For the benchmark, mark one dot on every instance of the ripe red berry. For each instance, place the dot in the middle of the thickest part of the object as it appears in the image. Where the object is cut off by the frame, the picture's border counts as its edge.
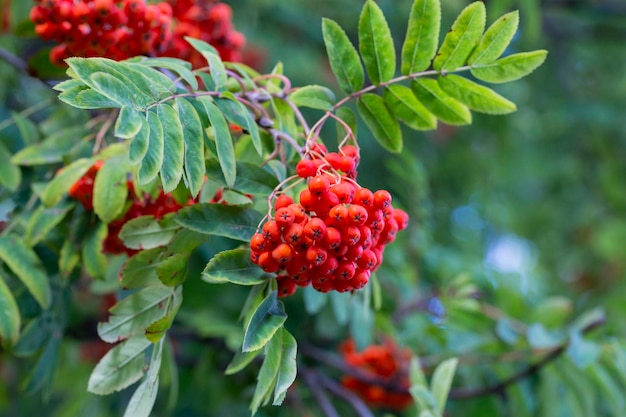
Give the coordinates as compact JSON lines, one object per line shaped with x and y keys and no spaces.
{"x":316,"y":256}
{"x":286,"y":286}
{"x":357,"y":214}
{"x":283,"y":201}
{"x":268,"y":263}
{"x":258,"y":243}
{"x":332,"y":238}
{"x":364,"y":197}
{"x":382,"y":199}
{"x":315,"y":229}
{"x":282,"y":253}
{"x":402,"y":218}
{"x":319,"y":185}
{"x":293,"y":233}
{"x":284,"y":217}
{"x":344,"y":191}
{"x":271,"y":232}
{"x":306,"y":168}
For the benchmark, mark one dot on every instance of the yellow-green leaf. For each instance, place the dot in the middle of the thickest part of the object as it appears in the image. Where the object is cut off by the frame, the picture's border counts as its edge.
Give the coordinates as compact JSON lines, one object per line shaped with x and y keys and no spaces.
{"x":408,"y":109}
{"x":376,"y":44}
{"x":510,"y":68}
{"x":444,"y":107}
{"x":343,"y":57}
{"x":380,"y":121}
{"x":110,"y":190}
{"x":495,"y":40}
{"x":9,"y":316}
{"x":422,"y":36}
{"x":153,"y":158}
{"x":475,"y":96}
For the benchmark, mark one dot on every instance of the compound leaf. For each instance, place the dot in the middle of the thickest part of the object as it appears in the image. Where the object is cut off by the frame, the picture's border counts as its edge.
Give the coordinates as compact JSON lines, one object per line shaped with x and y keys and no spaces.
{"x":194,"y":145}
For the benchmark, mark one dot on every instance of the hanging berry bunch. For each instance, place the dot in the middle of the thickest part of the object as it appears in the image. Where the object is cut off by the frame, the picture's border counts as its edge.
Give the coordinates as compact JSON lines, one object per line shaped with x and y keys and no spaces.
{"x":334,"y":237}
{"x":387,"y":363}
{"x":144,"y":205}
{"x":123,"y":29}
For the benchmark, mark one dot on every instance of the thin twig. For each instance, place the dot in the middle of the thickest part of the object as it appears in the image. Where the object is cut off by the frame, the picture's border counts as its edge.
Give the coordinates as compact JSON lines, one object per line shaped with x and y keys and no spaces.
{"x":312,"y":380}
{"x":354,"y":400}
{"x":13,"y":60}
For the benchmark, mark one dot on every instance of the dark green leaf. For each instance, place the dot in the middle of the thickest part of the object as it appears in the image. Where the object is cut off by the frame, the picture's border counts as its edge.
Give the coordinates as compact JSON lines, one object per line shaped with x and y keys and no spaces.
{"x":234,"y":266}
{"x":145,"y":232}
{"x":439,"y":103}
{"x":422,"y":36}
{"x":376,"y":44}
{"x":25,"y":264}
{"x":153,"y":159}
{"x":462,"y":38}
{"x":133,"y":314}
{"x":475,"y":96}
{"x":313,"y":96}
{"x":193,"y":135}
{"x":349,"y":118}
{"x":140,"y":270}
{"x":110,"y":190}
{"x":120,"y":367}
{"x":43,"y":221}
{"x":43,"y":371}
{"x":511,"y":68}
{"x":380,"y":121}
{"x":69,"y":258}
{"x":223,"y":141}
{"x":172,"y":271}
{"x":268,"y":317}
{"x":234,"y":222}
{"x":408,"y":109}
{"x":128,"y":123}
{"x":287,"y":368}
{"x":216,"y":66}
{"x":343,"y":57}
{"x":495,"y":40}
{"x":94,"y":260}
{"x":140,"y":143}
{"x":155,"y":331}
{"x":174,"y":147}
{"x":9,"y":316}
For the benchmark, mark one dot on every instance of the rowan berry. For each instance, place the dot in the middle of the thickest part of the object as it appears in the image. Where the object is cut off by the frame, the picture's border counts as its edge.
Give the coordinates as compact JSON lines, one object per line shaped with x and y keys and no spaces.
{"x":333,"y":159}
{"x":307,"y":200}
{"x":344,"y":192}
{"x":283,"y":201}
{"x":401,"y":218}
{"x":382,"y":199}
{"x":332,"y":238}
{"x":284,"y":217}
{"x":364,"y":197}
{"x":367,"y":260}
{"x":293,"y":233}
{"x":306,"y":168}
{"x":338,"y":216}
{"x":351,"y":235}
{"x":268,"y":263}
{"x":315,"y":229}
{"x":271,"y":232}
{"x":345,"y":270}
{"x":282,"y":253}
{"x":316,"y":256}
{"x":327,"y":268}
{"x":299,"y":212}
{"x":354,"y":253}
{"x":346,"y":164}
{"x":286,"y":286}
{"x":319,"y":185}
{"x":258,"y":243}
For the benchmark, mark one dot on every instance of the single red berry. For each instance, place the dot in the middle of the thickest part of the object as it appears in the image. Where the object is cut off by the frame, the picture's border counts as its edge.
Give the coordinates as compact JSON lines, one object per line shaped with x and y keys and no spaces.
{"x":345,"y":270}
{"x":367,"y":260}
{"x":283,"y":201}
{"x":346,"y":164}
{"x":351,"y":235}
{"x":333,"y":158}
{"x":284,"y":217}
{"x":268,"y":263}
{"x":354,"y":253}
{"x":319,"y":185}
{"x":357,"y":214}
{"x":338,"y":216}
{"x":316,"y":256}
{"x":307,"y":200}
{"x":299,"y":213}
{"x":332,"y":238}
{"x":402,"y":218}
{"x":364,"y":197}
{"x":271,"y":232}
{"x":258,"y":243}
{"x":286,"y":286}
{"x":344,"y":191}
{"x":282,"y":253}
{"x":382,"y":199}
{"x":315,"y":229}
{"x":327,"y":268}
{"x":293,"y":233}
{"x":306,"y":168}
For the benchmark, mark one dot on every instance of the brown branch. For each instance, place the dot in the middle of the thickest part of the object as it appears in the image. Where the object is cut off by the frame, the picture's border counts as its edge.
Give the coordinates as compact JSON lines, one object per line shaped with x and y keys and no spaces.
{"x":351,"y":398}
{"x":13,"y":60}
{"x":312,"y":380}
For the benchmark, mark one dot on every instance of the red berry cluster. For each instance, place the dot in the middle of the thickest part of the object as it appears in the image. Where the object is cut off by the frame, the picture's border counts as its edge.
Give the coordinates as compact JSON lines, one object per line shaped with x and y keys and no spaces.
{"x":335,"y":236}
{"x":123,"y":29}
{"x":158,"y":207}
{"x":388,"y":363}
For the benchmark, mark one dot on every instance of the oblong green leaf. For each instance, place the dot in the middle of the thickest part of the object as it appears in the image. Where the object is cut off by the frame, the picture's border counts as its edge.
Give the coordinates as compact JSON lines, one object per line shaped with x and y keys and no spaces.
{"x":240,"y":115}
{"x":439,"y":103}
{"x":25,"y":264}
{"x":128,"y":123}
{"x":233,"y":266}
{"x":422,"y":36}
{"x":153,"y":159}
{"x":174,"y":147}
{"x":268,"y":372}
{"x":120,"y":367}
{"x":233,"y":222}
{"x":223,"y":140}
{"x":10,"y":174}
{"x":182,"y":68}
{"x":94,"y":261}
{"x":110,"y":190}
{"x":380,"y":121}
{"x":268,"y":317}
{"x":10,"y":318}
{"x":408,"y":109}
{"x":376,"y":44}
{"x":139,"y":271}
{"x":510,"y":68}
{"x":475,"y":96}
{"x":287,"y":368}
{"x":216,"y":66}
{"x":495,"y":40}
{"x":193,"y":135}
{"x":462,"y":38}
{"x":139,"y":144}
{"x":240,"y":361}
{"x":313,"y":96}
{"x":343,"y":57}
{"x":52,"y":149}
{"x":251,"y":179}
{"x":442,"y":380}
{"x":43,"y":221}
{"x":145,"y":232}
{"x":156,"y":330}
{"x":112,"y":88}
{"x":63,"y":180}
{"x":133,"y":314}
{"x":172,"y":271}
{"x":89,"y":99}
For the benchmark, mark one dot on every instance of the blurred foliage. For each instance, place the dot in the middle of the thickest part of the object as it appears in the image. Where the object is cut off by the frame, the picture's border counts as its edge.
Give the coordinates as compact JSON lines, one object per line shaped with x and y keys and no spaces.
{"x":527,"y":212}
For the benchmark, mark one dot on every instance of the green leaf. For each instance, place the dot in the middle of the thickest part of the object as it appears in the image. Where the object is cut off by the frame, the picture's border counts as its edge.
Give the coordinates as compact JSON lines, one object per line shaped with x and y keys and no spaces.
{"x":69,"y":258}
{"x":174,"y":147}
{"x":128,"y":123}
{"x":240,"y":361}
{"x":110,"y":190}
{"x":28,"y":129}
{"x":9,"y":316}
{"x":172,"y":271}
{"x":155,"y":331}
{"x":416,"y":375}
{"x":217,"y":69}
{"x":233,"y":222}
{"x":52,"y":149}
{"x":313,"y":96}
{"x":408,"y":109}
{"x":10,"y":174}
{"x":380,"y":121}
{"x":145,"y":232}
{"x":94,"y":260}
{"x":133,"y":314}
{"x":112,"y":88}
{"x":268,"y":317}
{"x":43,"y":220}
{"x":63,"y":180}
{"x":462,"y":38}
{"x":239,"y":114}
{"x":142,"y":401}
{"x":422,"y":36}
{"x":223,"y":141}
{"x":140,"y":270}
{"x":287,"y":369}
{"x":182,"y":68}
{"x":439,"y":103}
{"x":193,"y":135}
{"x":251,"y":179}
{"x":442,"y":380}
{"x":376,"y":44}
{"x":511,"y":68}
{"x":43,"y":371}
{"x":25,"y":264}
{"x":87,"y":99}
{"x":120,"y":367}
{"x":495,"y":40}
{"x":268,"y":372}
{"x":343,"y":57}
{"x":153,"y":159}
{"x":139,"y":145}
{"x":424,"y":399}
{"x":233,"y":266}
{"x":475,"y":96}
